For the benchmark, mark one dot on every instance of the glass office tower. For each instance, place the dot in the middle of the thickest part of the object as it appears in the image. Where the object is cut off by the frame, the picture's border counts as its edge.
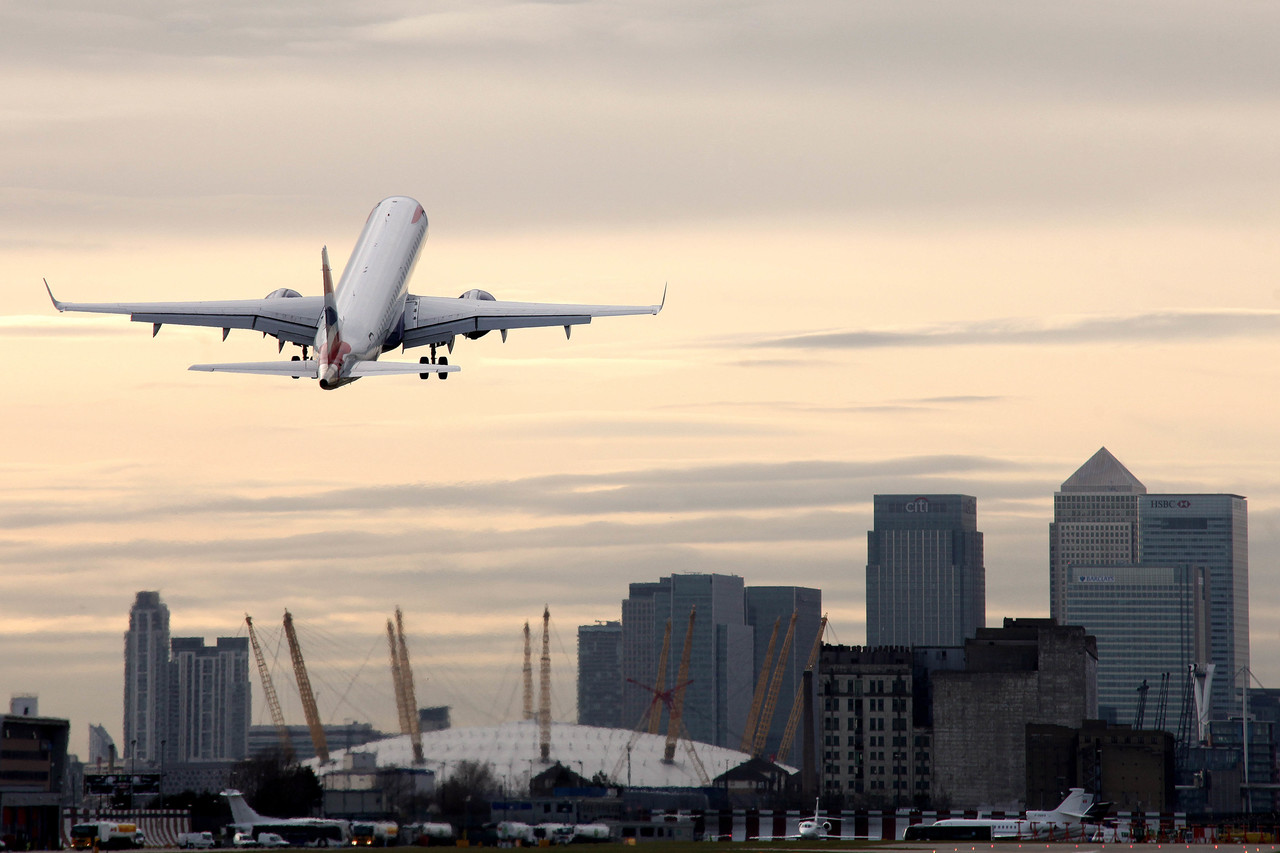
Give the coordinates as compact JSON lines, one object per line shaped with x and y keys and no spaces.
{"x":1151,"y":623}
{"x":926,"y":583}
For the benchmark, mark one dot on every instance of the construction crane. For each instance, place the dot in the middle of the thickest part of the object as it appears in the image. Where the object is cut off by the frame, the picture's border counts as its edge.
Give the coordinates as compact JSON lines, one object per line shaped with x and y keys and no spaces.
{"x":660,"y":681}
{"x":528,"y":674}
{"x":1140,"y":714}
{"x":410,"y":694}
{"x":402,"y":707}
{"x":304,"y":690}
{"x":544,"y":684}
{"x":771,"y":701}
{"x":269,"y":690}
{"x":797,"y":705}
{"x":665,"y":698}
{"x":1162,"y":700}
{"x":677,"y":704}
{"x":757,"y":698}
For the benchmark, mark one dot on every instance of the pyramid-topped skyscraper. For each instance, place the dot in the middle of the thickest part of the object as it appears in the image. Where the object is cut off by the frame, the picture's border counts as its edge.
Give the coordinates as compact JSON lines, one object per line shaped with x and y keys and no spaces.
{"x":1095,"y":522}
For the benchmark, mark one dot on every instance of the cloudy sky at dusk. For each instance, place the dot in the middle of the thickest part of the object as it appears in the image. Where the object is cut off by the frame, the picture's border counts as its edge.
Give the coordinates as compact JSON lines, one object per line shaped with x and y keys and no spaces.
{"x":910,"y":247}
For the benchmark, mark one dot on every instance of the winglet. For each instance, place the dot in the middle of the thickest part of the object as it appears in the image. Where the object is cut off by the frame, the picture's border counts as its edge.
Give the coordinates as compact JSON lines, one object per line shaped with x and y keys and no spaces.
{"x":664,"y":299}
{"x":56,"y":303}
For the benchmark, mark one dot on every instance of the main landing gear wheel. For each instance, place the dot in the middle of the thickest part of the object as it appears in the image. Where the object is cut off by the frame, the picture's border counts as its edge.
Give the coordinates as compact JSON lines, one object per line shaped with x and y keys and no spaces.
{"x":296,"y":358}
{"x":442,"y":361}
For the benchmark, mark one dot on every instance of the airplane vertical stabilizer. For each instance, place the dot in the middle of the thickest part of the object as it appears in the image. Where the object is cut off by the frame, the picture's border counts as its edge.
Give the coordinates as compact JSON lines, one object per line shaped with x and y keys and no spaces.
{"x":1076,"y":805}
{"x":329,"y":341}
{"x":241,"y":812}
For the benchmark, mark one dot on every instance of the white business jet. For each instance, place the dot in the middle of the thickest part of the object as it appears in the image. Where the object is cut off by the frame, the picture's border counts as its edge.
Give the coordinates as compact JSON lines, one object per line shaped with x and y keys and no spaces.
{"x":367,"y":314}
{"x":1055,"y":823}
{"x":814,"y":827}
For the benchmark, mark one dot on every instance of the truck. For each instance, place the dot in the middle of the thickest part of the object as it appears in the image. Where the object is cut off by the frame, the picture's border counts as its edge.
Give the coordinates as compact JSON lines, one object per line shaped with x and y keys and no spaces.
{"x":428,"y":834}
{"x":195,"y":840}
{"x":106,"y":835}
{"x":379,"y":833}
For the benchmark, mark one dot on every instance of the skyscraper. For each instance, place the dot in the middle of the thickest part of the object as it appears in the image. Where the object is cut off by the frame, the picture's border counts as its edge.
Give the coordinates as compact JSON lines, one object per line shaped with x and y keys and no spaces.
{"x":1209,"y":531}
{"x":190,"y":706}
{"x":1103,"y":517}
{"x":210,"y":699}
{"x":600,"y":675}
{"x":146,"y":678}
{"x":770,"y":605}
{"x":1150,"y":622}
{"x":641,"y":635}
{"x":1095,"y":523}
{"x":720,"y":682}
{"x":926,"y":582}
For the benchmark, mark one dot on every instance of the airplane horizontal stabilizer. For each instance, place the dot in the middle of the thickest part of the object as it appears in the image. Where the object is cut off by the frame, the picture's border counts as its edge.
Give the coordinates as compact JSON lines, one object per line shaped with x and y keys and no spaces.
{"x":403,"y":368}
{"x":305,"y":369}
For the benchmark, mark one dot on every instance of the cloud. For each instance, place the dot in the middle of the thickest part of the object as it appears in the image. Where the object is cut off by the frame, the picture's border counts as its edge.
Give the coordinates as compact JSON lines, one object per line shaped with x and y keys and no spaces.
{"x":1159,"y":327}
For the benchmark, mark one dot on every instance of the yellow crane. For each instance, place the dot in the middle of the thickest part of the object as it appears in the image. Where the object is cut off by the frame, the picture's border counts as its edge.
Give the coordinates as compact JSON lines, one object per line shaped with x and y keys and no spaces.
{"x":402,"y":707}
{"x":544,"y":684}
{"x":771,"y":701}
{"x":528,"y":674}
{"x":797,"y":705}
{"x":660,"y":681}
{"x":677,"y":701}
{"x":757,"y":698}
{"x":269,"y":690}
{"x":304,"y":690}
{"x":410,"y":693}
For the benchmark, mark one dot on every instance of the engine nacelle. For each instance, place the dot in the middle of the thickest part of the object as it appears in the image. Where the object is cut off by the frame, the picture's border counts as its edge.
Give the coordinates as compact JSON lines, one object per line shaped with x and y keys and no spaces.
{"x":477,"y":293}
{"x":284,"y":293}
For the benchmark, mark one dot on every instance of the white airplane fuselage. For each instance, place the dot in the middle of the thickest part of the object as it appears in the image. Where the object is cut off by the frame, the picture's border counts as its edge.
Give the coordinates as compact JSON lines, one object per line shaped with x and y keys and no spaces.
{"x":370,"y":297}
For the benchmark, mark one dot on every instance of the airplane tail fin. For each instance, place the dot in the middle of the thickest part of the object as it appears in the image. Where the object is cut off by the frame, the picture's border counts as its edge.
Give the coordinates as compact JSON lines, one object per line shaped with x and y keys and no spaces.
{"x":241,"y":811}
{"x":330,"y":301}
{"x":332,"y":348}
{"x":1076,"y":805}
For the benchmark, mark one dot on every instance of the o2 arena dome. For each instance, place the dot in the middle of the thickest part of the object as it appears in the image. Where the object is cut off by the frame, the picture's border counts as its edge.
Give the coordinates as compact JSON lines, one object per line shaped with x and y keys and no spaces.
{"x":514,"y":752}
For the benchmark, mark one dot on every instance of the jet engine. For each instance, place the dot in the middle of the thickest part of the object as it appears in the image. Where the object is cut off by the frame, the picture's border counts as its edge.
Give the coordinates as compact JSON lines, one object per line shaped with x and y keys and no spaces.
{"x":477,"y":293}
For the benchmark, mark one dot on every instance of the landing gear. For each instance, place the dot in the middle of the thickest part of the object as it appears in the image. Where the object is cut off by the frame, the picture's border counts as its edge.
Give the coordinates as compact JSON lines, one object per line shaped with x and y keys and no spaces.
{"x":443,"y":361}
{"x":296,"y":358}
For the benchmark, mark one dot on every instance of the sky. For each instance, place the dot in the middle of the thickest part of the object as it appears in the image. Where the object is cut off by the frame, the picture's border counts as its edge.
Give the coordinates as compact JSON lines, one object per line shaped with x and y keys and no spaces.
{"x":908,"y":246}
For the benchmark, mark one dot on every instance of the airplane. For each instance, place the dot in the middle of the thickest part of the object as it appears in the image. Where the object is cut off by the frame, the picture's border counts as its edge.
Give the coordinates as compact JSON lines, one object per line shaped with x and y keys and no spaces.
{"x":299,"y":831}
{"x":814,"y":827}
{"x":1056,"y":823}
{"x":367,"y":314}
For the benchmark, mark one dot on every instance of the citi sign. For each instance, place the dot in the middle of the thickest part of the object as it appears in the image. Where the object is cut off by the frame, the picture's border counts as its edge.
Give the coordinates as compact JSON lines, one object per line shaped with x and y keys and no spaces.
{"x":918,"y":505}
{"x":1180,"y":504}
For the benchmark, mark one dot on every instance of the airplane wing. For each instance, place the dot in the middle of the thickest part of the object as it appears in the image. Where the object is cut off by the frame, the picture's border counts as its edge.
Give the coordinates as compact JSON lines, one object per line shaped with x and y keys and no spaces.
{"x":288,"y":317}
{"x":438,"y":319}
{"x":307,"y":368}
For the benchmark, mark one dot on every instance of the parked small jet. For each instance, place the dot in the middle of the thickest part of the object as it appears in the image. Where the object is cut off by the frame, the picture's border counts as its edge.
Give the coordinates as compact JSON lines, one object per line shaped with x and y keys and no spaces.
{"x":367,"y":314}
{"x":296,"y":831}
{"x":1057,"y":823}
{"x":815,"y":827}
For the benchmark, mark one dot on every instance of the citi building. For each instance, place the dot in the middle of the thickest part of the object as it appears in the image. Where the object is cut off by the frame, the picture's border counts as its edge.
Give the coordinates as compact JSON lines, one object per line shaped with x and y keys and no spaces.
{"x":926,"y":582}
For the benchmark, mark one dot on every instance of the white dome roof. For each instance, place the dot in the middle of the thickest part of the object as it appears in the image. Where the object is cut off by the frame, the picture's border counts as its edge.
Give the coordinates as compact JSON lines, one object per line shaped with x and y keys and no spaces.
{"x":513,"y":751}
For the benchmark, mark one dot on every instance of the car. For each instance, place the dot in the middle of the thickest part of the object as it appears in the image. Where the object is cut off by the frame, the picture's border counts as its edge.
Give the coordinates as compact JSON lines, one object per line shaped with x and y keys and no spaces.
{"x":271,"y":839}
{"x":195,"y":840}
{"x":244,"y":839}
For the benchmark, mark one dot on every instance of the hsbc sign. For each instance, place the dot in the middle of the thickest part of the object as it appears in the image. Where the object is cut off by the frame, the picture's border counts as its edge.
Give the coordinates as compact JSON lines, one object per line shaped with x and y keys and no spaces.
{"x":1181,"y":503}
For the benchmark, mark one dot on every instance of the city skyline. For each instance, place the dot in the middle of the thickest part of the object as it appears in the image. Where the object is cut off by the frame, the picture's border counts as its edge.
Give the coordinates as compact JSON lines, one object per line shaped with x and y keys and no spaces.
{"x":910,"y":248}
